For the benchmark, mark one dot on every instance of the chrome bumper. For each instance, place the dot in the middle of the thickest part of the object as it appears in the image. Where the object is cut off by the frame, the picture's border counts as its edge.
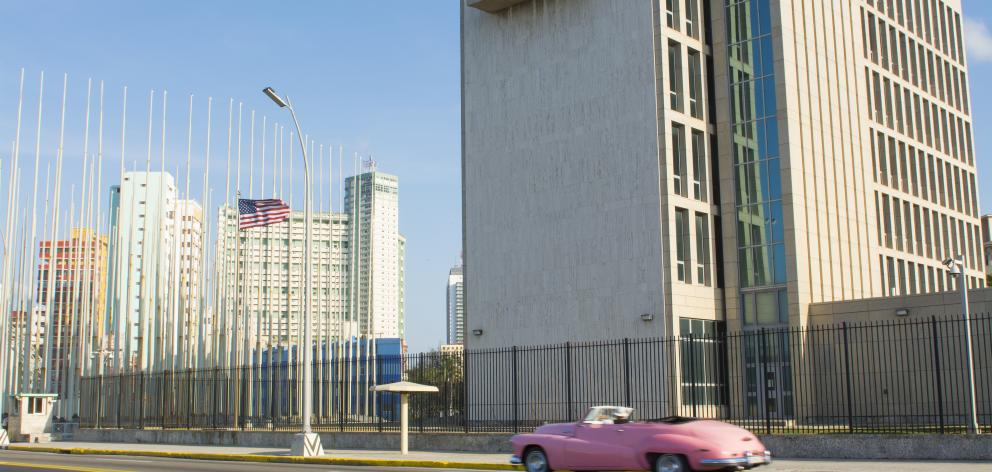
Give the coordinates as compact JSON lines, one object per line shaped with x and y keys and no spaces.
{"x":749,"y":460}
{"x":515,"y":460}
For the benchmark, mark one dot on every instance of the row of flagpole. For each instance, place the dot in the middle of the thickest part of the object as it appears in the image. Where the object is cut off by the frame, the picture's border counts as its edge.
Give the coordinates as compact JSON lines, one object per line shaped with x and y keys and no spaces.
{"x":165,"y":325}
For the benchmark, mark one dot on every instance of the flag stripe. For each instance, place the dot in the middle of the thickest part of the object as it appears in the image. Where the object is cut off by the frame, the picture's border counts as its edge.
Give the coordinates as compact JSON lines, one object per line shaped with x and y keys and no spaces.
{"x":255,"y":213}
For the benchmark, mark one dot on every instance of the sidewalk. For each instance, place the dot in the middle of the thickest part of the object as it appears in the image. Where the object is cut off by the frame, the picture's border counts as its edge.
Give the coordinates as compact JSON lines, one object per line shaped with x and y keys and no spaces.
{"x":448,"y":460}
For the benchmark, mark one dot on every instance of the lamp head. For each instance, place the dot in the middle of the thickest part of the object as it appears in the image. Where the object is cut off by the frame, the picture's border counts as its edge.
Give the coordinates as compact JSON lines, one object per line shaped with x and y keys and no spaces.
{"x":954,"y":265}
{"x":269,"y":92}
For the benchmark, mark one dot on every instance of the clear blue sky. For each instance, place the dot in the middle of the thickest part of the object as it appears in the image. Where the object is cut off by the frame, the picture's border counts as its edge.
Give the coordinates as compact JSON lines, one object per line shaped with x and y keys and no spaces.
{"x":379,"y":77}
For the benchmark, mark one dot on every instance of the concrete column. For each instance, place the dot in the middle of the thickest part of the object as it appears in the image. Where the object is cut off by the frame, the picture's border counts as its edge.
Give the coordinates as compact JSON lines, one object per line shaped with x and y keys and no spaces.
{"x":404,"y":433}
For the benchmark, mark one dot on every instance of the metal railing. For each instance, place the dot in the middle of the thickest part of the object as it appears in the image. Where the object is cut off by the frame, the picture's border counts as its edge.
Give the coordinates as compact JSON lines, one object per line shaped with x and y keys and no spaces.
{"x":886,"y":377}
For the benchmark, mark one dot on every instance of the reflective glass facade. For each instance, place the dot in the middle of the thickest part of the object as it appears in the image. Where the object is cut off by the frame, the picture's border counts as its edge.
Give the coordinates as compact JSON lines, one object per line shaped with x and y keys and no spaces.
{"x":757,"y":176}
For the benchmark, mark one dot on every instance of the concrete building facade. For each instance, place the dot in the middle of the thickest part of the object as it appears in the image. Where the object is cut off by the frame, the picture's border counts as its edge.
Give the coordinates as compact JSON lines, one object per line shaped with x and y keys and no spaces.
{"x":642,"y":168}
{"x":987,"y":247}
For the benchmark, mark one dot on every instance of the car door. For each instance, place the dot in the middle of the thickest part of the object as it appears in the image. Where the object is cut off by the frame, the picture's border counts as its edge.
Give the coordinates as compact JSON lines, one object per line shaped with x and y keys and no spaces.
{"x":594,"y":447}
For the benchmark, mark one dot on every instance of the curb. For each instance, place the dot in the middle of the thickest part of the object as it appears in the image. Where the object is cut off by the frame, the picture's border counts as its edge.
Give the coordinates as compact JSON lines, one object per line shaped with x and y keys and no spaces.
{"x":273,"y":459}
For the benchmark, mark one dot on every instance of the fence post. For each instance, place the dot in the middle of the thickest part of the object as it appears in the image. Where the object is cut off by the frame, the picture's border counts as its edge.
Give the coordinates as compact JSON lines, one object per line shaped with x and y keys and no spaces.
{"x":189,"y":398}
{"x":516,"y":418}
{"x":692,"y":374}
{"x":626,"y":371}
{"x":465,"y":389}
{"x":937,"y":377}
{"x":764,"y":381}
{"x":568,"y":380}
{"x":99,"y":401}
{"x":213,"y":408}
{"x":847,"y":370}
{"x":141,"y":402}
{"x":378,"y":404}
{"x":120,"y":397}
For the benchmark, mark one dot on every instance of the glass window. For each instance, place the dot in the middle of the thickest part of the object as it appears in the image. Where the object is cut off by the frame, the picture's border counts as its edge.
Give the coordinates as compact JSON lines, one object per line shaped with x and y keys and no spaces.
{"x":675,"y":75}
{"x":702,"y":249}
{"x":703,"y":367}
{"x":698,"y":165}
{"x":695,"y":85}
{"x":678,"y":160}
{"x":682,"y":245}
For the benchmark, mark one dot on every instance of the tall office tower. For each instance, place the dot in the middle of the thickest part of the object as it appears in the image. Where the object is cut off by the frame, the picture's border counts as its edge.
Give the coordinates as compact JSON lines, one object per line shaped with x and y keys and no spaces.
{"x":148,"y":263}
{"x":456,"y":306}
{"x":76,"y":306}
{"x":378,"y":251}
{"x":643,"y":168}
{"x":269,"y":292}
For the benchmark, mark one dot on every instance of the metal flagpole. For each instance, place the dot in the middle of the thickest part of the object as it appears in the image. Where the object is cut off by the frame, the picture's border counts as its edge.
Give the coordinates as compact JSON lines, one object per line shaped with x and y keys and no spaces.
{"x":114,"y":313}
{"x":204,"y":251}
{"x":5,"y":321}
{"x":28,"y":318}
{"x":55,"y":230}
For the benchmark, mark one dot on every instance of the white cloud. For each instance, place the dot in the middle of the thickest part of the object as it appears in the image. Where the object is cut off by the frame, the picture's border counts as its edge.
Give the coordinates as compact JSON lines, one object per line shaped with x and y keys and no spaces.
{"x":978,"y":40}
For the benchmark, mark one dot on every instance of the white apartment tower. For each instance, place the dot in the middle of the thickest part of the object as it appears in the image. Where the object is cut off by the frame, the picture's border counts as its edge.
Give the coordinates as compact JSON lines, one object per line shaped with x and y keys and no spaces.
{"x":378,"y":251}
{"x":265,"y":305}
{"x":455,"y":294}
{"x":154,"y":272}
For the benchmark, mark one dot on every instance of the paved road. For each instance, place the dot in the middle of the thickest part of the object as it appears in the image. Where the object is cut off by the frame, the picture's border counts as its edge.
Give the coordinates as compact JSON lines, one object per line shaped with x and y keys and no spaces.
{"x":19,"y":461}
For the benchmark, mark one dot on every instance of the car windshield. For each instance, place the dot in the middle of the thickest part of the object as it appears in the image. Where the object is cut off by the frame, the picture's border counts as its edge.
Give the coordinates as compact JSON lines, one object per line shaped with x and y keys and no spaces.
{"x":608,"y":414}
{"x":672,"y":420}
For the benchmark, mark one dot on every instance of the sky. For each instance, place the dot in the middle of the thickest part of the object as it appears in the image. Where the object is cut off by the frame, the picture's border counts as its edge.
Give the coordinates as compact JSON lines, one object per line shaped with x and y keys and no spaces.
{"x":978,"y":46}
{"x":378,"y":78}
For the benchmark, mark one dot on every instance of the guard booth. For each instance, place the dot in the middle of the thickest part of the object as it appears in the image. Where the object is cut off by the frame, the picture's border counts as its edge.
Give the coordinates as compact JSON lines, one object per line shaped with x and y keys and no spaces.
{"x":32,"y":419}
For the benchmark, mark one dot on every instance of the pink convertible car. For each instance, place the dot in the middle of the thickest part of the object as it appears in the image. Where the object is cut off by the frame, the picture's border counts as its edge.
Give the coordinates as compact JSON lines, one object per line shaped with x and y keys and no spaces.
{"x":607,"y":440}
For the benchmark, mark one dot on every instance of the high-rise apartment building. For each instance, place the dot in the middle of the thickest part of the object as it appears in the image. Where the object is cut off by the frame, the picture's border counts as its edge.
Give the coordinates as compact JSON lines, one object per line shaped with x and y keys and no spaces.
{"x":456,"y":306}
{"x":77,"y":268}
{"x":643,"y":168}
{"x":266,"y":302}
{"x":154,"y":264}
{"x":372,"y":203}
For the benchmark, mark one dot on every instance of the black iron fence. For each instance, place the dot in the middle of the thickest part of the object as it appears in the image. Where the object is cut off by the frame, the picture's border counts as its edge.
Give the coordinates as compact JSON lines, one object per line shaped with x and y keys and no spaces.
{"x":897,"y":377}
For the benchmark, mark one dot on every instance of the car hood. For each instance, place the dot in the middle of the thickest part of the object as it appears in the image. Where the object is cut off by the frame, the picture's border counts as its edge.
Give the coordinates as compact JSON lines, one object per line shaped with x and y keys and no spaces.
{"x":564,"y":429}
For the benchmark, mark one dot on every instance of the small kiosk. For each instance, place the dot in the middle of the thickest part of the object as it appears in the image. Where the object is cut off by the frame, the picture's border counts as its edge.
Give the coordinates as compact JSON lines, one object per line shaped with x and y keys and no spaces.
{"x":32,"y":420}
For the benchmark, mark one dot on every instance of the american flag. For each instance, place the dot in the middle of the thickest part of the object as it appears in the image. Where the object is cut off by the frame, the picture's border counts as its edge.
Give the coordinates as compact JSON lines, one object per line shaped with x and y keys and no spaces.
{"x":254,"y":213}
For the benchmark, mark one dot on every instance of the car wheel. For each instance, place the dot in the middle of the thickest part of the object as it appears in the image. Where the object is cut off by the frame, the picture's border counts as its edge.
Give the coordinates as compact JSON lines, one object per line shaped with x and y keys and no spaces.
{"x":536,"y":461}
{"x":670,"y":463}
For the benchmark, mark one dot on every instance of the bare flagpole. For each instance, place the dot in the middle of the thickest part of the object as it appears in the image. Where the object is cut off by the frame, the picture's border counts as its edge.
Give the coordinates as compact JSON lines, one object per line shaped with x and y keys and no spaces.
{"x":6,"y":379}
{"x":55,"y":231}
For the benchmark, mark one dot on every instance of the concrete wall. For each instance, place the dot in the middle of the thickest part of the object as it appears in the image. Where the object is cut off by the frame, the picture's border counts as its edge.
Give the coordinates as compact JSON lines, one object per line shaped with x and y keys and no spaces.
{"x":825,"y":446}
{"x":560,"y":173}
{"x":884,"y":308}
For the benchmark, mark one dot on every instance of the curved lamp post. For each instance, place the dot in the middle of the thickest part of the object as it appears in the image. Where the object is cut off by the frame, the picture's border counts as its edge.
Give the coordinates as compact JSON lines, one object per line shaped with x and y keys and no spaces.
{"x":307,"y":443}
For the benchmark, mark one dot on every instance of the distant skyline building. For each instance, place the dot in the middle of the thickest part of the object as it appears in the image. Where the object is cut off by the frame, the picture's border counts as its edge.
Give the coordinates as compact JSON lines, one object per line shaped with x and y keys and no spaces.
{"x":456,"y":306}
{"x":987,"y":246}
{"x":77,"y":305}
{"x":378,"y":251}
{"x":153,"y":288}
{"x":719,"y":165}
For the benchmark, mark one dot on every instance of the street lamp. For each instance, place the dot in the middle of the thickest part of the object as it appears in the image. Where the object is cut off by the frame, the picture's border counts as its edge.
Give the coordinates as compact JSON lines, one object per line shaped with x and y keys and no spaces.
{"x":956,"y":268}
{"x":307,"y":443}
